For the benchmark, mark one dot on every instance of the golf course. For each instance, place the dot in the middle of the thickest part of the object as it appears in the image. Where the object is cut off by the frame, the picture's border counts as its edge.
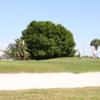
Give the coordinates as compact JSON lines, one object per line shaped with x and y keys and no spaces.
{"x":50,"y":50}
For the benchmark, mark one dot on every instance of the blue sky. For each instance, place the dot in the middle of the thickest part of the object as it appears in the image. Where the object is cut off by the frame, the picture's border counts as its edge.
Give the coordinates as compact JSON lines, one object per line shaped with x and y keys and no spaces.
{"x":81,"y":17}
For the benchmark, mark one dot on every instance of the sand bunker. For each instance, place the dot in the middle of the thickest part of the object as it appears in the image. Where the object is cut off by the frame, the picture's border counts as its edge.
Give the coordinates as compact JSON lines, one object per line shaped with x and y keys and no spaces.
{"x":48,"y":80}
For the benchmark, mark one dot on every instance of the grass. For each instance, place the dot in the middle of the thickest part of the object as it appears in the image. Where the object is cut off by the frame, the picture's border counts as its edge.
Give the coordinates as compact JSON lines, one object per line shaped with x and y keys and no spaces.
{"x":52,"y":94}
{"x":75,"y":65}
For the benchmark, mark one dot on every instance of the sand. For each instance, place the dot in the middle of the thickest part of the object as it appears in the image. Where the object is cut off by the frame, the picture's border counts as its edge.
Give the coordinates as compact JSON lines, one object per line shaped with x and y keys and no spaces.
{"x":18,"y":81}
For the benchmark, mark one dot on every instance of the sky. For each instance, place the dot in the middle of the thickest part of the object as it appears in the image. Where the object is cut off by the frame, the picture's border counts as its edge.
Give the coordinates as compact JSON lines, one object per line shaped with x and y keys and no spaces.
{"x":81,"y":17}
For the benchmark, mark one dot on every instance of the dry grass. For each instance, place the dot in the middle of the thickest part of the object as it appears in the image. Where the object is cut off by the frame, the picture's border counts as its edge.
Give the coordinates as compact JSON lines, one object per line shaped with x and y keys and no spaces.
{"x":52,"y":94}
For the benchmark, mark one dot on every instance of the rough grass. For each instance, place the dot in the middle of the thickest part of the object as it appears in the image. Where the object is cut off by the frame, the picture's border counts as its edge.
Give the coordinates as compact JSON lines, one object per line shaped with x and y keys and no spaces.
{"x":75,"y":65}
{"x":52,"y":94}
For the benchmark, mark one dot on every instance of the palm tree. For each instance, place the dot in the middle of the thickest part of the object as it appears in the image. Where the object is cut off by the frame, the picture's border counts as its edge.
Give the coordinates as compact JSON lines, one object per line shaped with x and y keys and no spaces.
{"x":95,"y":43}
{"x":18,"y":50}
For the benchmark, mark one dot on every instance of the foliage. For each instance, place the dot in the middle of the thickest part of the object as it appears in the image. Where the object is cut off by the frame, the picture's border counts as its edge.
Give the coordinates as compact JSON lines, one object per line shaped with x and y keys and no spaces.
{"x":95,"y":43}
{"x":18,"y":50}
{"x":48,"y":40}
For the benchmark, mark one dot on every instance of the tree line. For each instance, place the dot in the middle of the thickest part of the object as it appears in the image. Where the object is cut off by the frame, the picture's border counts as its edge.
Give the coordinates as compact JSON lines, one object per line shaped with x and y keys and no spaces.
{"x":44,"y":40}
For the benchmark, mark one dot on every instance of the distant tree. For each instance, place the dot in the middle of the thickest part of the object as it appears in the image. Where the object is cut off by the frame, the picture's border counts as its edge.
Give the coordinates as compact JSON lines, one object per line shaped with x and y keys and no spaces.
{"x":18,"y":50}
{"x":95,"y":43}
{"x":48,"y":40}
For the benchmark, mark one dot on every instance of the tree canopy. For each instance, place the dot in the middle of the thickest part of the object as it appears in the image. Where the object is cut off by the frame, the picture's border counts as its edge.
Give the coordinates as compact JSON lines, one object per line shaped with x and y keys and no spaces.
{"x":45,"y":40}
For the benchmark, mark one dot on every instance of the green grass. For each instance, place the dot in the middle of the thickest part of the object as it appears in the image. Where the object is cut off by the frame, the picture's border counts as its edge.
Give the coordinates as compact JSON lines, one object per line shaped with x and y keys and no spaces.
{"x":52,"y":94}
{"x":75,"y":65}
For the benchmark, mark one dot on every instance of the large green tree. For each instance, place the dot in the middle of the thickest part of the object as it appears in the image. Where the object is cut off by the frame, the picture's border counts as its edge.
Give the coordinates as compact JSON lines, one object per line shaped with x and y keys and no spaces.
{"x":95,"y":43}
{"x":18,"y":50}
{"x":48,"y":40}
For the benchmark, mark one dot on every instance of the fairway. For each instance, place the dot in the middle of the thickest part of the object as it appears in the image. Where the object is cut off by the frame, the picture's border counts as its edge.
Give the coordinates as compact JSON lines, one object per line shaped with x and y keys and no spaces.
{"x":52,"y":94}
{"x":74,"y":65}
